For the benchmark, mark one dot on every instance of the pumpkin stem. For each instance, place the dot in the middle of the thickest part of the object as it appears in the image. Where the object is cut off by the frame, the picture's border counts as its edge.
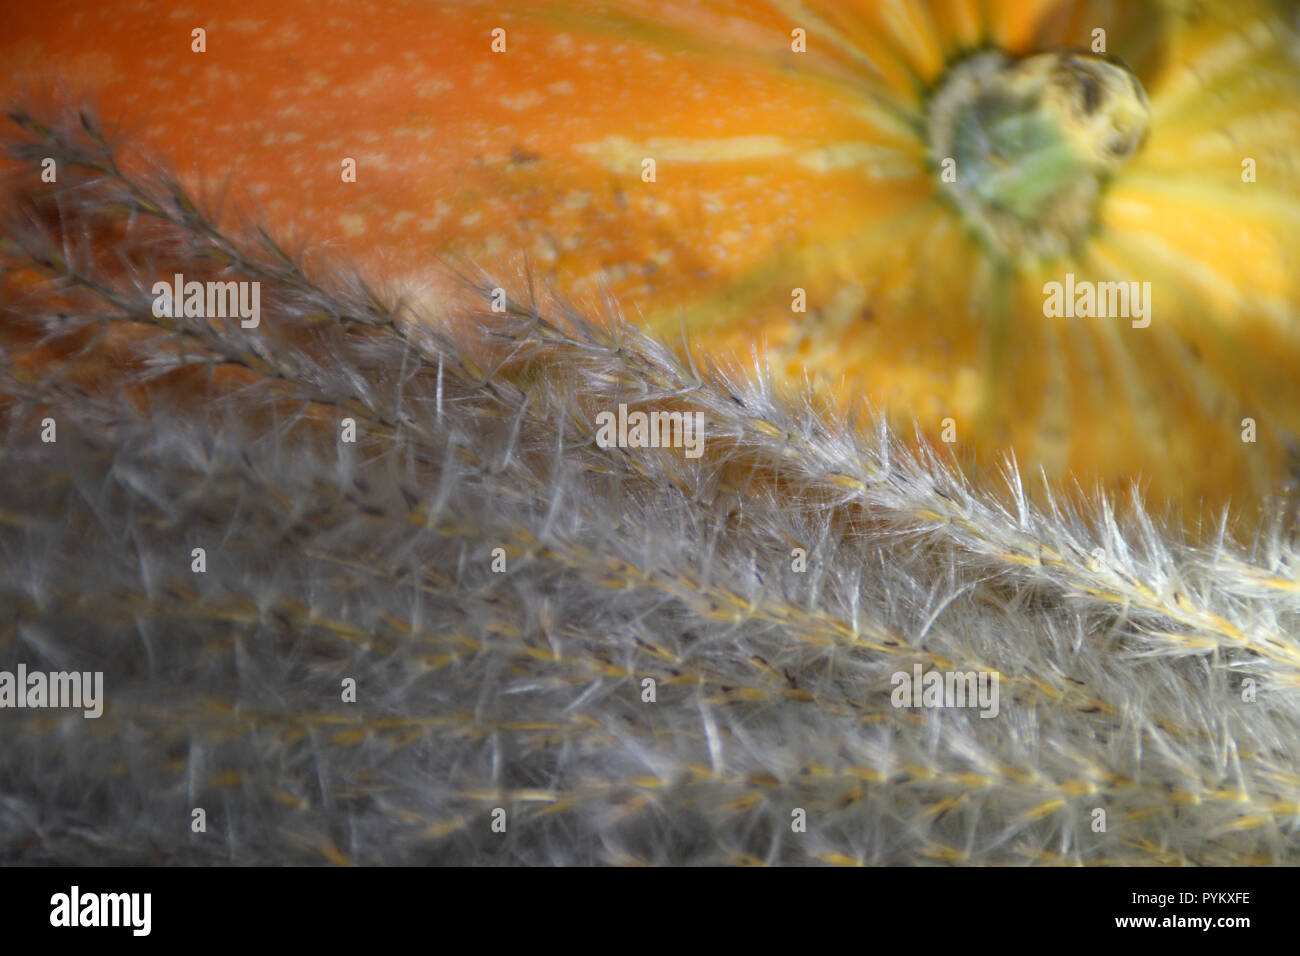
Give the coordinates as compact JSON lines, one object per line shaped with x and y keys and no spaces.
{"x":1026,"y":145}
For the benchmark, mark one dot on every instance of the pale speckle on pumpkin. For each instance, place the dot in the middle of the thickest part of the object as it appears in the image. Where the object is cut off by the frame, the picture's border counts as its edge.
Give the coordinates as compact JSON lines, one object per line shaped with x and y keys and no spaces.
{"x":352,"y":224}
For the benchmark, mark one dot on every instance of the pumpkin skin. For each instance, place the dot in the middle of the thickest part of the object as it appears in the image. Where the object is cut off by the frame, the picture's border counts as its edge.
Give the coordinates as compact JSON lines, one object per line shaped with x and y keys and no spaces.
{"x":775,"y":170}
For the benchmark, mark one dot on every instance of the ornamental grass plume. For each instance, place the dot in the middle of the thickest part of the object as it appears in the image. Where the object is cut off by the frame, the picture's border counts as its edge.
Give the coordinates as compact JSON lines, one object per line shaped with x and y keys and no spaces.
{"x":1151,"y":679}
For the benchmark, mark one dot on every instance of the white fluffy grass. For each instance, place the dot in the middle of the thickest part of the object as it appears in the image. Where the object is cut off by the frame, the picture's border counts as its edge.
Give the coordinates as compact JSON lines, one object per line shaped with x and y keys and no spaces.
{"x":1122,"y":648}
